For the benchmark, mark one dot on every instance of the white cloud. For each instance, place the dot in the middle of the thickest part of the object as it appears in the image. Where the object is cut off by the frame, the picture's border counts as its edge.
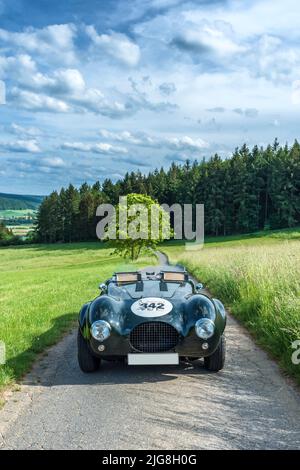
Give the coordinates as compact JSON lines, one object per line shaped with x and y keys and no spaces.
{"x":142,"y":139}
{"x":62,"y":82}
{"x":186,"y":143}
{"x":26,"y":146}
{"x":54,"y":42}
{"x":216,"y":37}
{"x":123,"y":136}
{"x":24,"y":131}
{"x":102,"y":148}
{"x":37,"y":102}
{"x":272,"y":58}
{"x":53,"y":162}
{"x":208,"y":55}
{"x":14,"y":67}
{"x":116,"y":45}
{"x":65,"y":90}
{"x":62,"y":91}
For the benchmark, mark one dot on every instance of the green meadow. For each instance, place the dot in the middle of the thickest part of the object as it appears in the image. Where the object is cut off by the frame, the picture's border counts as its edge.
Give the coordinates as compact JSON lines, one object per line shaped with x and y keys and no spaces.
{"x":42,"y":288}
{"x":258,"y":277}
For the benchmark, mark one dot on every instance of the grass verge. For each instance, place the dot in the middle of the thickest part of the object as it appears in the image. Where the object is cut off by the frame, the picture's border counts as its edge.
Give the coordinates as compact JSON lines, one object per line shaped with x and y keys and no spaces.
{"x":259,"y":279}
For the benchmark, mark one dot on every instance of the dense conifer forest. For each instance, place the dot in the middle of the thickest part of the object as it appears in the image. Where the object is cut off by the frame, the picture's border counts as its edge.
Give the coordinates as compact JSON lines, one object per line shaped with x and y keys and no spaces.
{"x":252,"y":190}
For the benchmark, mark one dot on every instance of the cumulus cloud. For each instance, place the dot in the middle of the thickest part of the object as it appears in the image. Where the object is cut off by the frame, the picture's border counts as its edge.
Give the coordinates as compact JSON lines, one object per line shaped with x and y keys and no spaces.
{"x":261,"y":49}
{"x":65,"y":90}
{"x":234,"y":66}
{"x":62,"y":91}
{"x":273,"y":58}
{"x":115,"y":45}
{"x":142,"y":139}
{"x":14,"y":67}
{"x":208,"y":38}
{"x":54,"y":42}
{"x":24,"y":146}
{"x":186,"y":143}
{"x":102,"y":148}
{"x":37,"y":102}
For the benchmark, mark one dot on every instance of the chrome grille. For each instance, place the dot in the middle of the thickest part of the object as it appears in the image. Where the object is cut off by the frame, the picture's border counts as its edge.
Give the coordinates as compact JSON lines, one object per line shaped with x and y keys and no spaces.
{"x":154,"y":337}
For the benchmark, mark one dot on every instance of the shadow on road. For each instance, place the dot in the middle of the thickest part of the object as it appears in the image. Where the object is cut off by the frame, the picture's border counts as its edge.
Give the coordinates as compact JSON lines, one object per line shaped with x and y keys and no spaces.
{"x":59,"y":366}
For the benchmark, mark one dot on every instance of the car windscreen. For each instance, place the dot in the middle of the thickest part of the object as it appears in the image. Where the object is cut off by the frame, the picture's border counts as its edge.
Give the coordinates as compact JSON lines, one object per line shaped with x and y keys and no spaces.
{"x":149,"y":288}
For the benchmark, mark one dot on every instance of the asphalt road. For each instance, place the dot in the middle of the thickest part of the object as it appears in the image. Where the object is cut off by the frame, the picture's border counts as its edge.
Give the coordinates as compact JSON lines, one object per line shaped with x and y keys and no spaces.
{"x":248,"y":405}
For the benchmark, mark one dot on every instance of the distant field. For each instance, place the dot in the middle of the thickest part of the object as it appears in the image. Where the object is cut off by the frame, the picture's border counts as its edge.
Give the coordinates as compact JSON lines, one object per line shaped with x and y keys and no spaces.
{"x":17,"y":220}
{"x":20,"y":230}
{"x":42,"y":288}
{"x":10,"y":214}
{"x":258,"y":277}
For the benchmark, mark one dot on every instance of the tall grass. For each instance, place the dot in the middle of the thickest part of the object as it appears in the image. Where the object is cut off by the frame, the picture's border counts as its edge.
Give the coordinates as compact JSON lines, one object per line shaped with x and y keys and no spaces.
{"x":261,"y":285}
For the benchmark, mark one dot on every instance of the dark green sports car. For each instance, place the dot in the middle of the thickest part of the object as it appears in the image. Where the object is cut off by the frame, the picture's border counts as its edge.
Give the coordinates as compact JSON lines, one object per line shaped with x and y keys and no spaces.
{"x":152,"y":316}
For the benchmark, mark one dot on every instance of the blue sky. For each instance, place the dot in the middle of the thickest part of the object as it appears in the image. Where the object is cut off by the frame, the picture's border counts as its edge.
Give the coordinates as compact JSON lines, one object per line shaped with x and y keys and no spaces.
{"x":98,"y":88}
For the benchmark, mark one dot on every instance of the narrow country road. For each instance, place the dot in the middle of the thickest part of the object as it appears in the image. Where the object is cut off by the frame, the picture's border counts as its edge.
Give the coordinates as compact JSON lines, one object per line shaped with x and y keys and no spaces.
{"x":248,"y":405}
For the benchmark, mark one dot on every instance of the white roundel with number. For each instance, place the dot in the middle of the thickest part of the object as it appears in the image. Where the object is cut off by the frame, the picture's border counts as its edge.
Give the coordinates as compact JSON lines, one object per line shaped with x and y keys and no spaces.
{"x":151,"y":307}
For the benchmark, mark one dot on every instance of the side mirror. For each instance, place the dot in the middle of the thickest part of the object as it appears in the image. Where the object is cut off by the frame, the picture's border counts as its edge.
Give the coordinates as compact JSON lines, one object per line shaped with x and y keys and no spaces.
{"x":103,"y":287}
{"x":199,"y":287}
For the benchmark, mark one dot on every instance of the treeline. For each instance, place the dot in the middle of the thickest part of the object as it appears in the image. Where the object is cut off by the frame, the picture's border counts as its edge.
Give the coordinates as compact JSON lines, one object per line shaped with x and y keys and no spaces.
{"x":7,"y":237}
{"x":253,"y":190}
{"x":19,"y":202}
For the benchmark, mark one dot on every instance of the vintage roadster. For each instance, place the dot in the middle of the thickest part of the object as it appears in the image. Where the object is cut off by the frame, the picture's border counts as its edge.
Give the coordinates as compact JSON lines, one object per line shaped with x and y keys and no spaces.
{"x":153,"y":316}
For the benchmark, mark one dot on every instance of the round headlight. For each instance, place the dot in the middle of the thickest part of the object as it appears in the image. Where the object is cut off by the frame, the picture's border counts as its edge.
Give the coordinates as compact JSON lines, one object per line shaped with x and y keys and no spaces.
{"x":100,"y":330}
{"x":205,"y":328}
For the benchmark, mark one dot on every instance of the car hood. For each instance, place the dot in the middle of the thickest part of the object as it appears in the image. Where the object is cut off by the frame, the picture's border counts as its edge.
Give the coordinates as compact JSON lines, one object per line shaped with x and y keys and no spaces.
{"x":125,"y":314}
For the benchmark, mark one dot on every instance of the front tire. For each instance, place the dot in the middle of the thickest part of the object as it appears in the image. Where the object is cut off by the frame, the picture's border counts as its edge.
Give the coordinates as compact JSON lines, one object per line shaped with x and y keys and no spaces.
{"x":216,"y":361}
{"x":87,"y":362}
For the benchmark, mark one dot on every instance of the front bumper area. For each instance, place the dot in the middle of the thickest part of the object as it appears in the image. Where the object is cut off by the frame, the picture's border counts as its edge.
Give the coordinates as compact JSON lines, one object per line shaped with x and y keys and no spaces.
{"x":120,"y":345}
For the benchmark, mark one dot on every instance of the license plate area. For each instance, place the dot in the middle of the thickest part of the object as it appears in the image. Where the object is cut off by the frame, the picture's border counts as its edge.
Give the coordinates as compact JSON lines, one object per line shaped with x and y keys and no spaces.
{"x":153,"y":359}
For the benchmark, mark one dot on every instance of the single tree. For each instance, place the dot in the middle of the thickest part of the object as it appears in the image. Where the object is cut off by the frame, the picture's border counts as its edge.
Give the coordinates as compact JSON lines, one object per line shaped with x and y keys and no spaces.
{"x":141,"y":224}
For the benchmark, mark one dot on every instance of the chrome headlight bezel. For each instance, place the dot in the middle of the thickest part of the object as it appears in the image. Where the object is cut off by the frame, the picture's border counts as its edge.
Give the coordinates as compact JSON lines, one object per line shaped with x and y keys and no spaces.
{"x":100,"y":330}
{"x":205,"y":328}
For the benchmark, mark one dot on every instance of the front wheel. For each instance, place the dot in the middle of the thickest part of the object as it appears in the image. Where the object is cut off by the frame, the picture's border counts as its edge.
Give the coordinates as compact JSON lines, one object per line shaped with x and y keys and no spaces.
{"x":87,"y":362}
{"x":216,"y":361}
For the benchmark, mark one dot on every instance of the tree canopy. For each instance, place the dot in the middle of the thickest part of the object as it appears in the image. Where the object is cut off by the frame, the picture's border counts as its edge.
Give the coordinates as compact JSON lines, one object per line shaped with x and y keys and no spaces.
{"x":143,"y":216}
{"x":252,"y":190}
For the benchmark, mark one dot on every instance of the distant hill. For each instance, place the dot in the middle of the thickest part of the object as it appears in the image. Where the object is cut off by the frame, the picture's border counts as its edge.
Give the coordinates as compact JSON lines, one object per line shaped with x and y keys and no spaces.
{"x":19,"y":202}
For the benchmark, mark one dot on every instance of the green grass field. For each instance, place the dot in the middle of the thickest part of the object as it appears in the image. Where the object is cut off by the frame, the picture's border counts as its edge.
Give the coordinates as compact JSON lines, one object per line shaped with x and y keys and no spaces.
{"x":42,"y":288}
{"x":258,"y":277}
{"x":11,"y":214}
